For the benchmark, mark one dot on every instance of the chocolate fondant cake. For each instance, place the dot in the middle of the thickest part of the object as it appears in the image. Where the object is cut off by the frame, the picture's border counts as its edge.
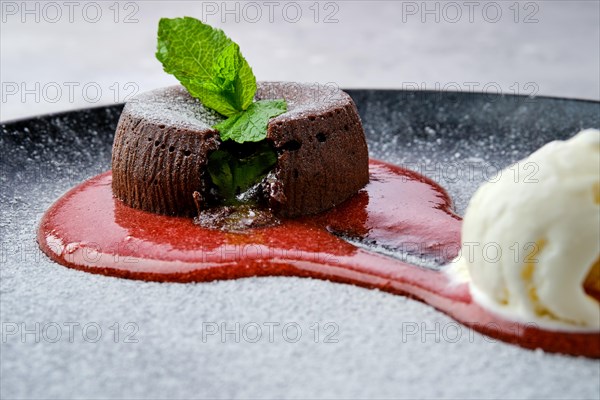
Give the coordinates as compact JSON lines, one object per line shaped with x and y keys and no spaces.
{"x":164,"y":138}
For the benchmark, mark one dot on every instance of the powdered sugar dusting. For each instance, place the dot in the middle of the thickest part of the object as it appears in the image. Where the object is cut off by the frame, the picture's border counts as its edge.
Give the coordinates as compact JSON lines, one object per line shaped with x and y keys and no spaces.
{"x":303,"y":99}
{"x":173,"y":106}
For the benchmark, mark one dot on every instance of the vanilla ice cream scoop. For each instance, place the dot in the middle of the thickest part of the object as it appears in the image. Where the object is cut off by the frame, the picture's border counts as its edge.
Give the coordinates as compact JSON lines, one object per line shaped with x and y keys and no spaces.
{"x":531,"y":237}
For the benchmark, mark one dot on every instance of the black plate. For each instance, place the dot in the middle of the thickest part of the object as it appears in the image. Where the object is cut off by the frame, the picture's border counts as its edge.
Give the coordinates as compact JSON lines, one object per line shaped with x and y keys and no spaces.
{"x":457,"y":139}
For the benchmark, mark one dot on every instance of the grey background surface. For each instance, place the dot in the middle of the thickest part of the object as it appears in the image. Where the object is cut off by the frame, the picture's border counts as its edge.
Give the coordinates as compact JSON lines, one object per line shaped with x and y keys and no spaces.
{"x":77,"y":56}
{"x":375,"y":356}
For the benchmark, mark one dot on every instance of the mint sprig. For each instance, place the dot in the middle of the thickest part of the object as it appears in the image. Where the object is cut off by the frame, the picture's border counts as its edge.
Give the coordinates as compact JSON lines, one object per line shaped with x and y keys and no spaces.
{"x":207,"y":63}
{"x":211,"y":67}
{"x":251,"y":125}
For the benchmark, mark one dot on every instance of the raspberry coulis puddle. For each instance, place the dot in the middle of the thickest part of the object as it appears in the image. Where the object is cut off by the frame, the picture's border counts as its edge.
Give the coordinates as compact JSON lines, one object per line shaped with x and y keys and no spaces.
{"x":399,"y":218}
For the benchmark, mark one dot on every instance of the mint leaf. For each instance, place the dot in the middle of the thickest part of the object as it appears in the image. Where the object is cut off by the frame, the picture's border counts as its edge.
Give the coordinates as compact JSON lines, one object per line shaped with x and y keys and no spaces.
{"x":234,"y":169}
{"x":219,"y":169}
{"x":233,"y":74}
{"x":251,"y":125}
{"x":207,"y":63}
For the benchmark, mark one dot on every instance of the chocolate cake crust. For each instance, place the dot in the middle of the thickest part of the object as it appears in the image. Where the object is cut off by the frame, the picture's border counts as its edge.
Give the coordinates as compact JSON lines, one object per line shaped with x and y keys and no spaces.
{"x":164,"y":137}
{"x":160,"y":149}
{"x":323,"y":157}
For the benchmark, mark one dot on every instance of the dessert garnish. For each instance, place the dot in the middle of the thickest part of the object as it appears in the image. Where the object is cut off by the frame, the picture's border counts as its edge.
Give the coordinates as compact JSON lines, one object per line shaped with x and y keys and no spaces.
{"x":233,"y":152}
{"x":212,"y":69}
